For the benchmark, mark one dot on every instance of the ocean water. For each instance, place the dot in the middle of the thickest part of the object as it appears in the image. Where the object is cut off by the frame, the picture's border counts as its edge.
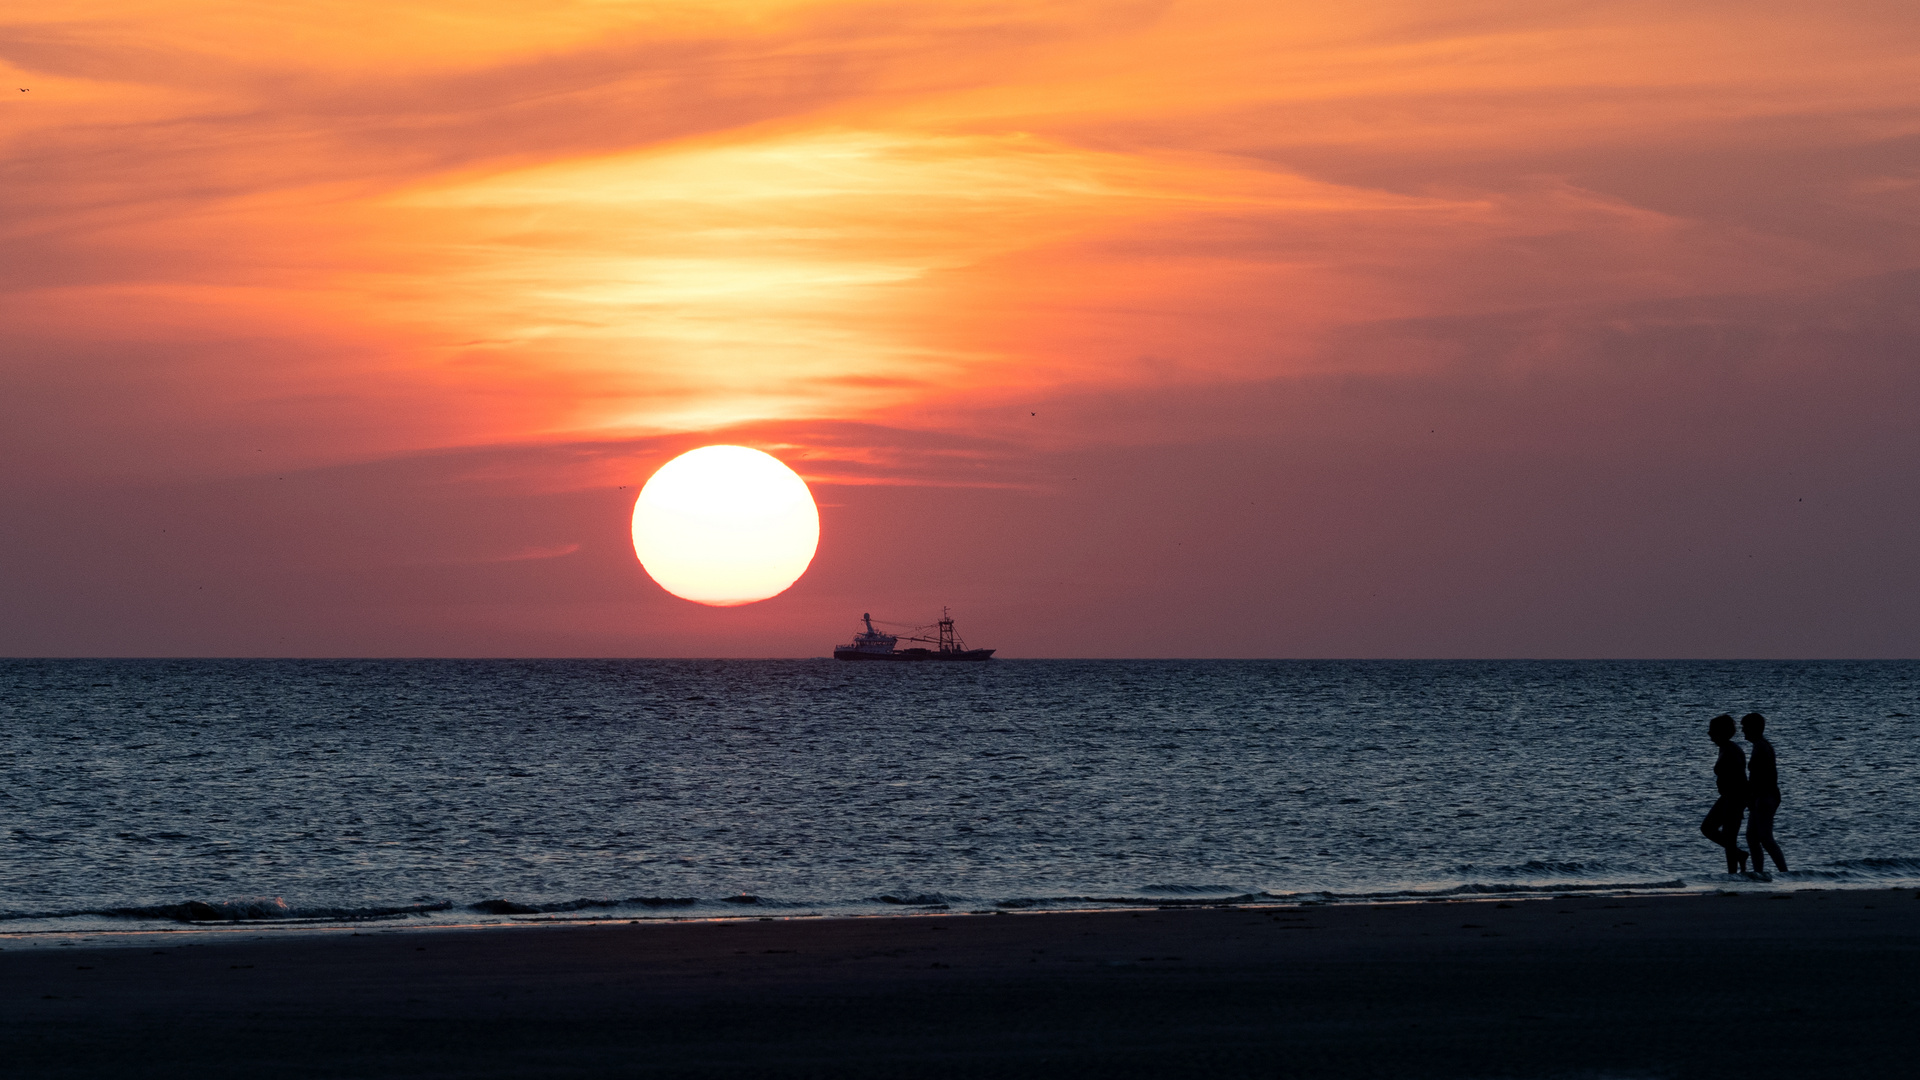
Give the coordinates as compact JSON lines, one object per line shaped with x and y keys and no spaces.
{"x":139,"y":794}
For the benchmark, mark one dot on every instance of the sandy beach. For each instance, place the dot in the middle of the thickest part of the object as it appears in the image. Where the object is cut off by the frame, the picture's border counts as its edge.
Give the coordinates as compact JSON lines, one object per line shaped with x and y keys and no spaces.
{"x":1749,"y":985}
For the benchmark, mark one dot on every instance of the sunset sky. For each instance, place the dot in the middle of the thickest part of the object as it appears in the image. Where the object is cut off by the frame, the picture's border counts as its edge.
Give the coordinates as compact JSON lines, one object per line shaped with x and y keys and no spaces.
{"x":1121,"y":328}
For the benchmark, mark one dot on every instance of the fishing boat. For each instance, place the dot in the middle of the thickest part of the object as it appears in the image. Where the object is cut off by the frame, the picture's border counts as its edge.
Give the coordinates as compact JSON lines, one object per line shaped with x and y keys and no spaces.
{"x":871,"y":644}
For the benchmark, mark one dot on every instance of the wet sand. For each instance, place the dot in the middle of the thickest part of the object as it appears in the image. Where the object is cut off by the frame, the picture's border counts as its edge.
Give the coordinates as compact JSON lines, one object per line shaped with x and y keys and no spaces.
{"x":1747,"y":985}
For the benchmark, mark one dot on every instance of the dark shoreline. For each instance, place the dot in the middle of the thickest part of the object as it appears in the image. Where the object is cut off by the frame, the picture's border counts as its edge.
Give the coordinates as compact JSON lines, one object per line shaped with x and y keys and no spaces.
{"x":1734,"y":985}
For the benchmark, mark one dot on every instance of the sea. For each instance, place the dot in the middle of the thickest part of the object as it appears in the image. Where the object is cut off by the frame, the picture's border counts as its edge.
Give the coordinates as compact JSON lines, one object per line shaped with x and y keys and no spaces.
{"x":188,"y":795}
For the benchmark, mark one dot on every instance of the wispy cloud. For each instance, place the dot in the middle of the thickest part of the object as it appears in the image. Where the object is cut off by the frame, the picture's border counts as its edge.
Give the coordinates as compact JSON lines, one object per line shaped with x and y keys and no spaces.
{"x":667,"y":216}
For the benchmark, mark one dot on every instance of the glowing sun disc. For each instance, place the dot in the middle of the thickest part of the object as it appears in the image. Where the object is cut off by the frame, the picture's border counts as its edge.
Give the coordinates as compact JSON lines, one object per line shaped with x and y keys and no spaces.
{"x":725,"y":525}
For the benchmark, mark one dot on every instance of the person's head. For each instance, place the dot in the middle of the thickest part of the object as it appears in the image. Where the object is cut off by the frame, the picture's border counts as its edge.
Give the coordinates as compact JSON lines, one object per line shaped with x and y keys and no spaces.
{"x":1720,"y":728}
{"x":1753,"y":724}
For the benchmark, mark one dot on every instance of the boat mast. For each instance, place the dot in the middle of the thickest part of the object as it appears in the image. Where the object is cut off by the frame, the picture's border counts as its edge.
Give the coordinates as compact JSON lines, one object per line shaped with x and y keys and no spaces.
{"x":946,"y":631}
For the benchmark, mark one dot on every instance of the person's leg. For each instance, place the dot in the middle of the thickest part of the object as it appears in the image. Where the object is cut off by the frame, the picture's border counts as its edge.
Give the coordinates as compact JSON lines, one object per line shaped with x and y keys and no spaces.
{"x":1736,"y":859}
{"x":1722,"y":826}
{"x":1760,"y":834}
{"x":1714,"y":825}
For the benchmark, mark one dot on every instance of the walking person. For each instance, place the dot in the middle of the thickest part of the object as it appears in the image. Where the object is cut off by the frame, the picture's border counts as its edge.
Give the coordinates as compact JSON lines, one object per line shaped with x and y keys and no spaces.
{"x":1763,"y":794}
{"x":1722,"y":825}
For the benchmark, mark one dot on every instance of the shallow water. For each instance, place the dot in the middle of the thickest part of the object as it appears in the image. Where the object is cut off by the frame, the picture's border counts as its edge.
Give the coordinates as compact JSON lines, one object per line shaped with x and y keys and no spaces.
{"x":142,"y":793}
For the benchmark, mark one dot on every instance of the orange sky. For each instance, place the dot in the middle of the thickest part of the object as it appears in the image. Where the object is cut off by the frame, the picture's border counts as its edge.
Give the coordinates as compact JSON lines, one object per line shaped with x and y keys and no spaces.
{"x":1117,"y":326}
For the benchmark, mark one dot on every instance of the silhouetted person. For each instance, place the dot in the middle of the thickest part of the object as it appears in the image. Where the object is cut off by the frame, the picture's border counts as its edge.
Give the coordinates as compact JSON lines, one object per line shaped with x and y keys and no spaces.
{"x":1763,"y":794}
{"x":1730,"y":776}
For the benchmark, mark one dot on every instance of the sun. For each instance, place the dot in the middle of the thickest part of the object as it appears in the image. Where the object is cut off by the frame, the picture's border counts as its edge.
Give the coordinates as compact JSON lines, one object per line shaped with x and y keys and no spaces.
{"x":725,"y":525}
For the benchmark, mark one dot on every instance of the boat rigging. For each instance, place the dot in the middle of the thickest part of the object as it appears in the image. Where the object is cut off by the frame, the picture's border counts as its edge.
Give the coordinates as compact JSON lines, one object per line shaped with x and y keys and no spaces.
{"x":871,"y":644}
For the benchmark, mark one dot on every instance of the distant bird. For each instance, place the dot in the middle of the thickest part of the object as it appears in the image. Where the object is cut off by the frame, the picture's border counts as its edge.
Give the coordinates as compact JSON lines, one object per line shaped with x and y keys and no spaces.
{"x":23,"y":89}
{"x":1033,"y":414}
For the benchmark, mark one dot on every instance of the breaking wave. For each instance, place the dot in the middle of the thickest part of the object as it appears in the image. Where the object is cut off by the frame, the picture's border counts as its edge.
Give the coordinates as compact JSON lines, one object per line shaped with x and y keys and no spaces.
{"x":1865,"y":871}
{"x":1541,"y":868}
{"x":253,"y":909}
{"x":1534,"y":877}
{"x":509,"y":907}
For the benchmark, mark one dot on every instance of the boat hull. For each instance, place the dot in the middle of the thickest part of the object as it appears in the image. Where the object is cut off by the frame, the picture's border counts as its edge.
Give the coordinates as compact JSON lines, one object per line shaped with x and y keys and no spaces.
{"x":914,"y":655}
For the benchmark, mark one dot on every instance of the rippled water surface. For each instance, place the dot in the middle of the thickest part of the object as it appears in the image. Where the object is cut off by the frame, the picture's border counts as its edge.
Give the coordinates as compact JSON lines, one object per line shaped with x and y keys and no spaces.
{"x":153,"y":790}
